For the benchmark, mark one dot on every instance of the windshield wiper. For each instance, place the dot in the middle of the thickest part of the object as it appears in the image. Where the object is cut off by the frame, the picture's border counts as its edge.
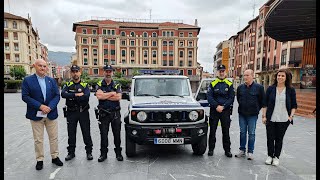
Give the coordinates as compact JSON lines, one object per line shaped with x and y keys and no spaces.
{"x":171,"y":95}
{"x":148,"y":95}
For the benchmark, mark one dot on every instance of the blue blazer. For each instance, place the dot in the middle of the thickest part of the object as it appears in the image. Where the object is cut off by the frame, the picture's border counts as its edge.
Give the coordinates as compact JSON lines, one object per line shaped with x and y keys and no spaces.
{"x":32,"y":95}
{"x":291,"y":101}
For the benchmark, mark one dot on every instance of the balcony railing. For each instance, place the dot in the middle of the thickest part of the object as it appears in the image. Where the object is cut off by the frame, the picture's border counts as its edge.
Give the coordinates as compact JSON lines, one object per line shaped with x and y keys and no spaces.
{"x":265,"y":68}
{"x":258,"y":67}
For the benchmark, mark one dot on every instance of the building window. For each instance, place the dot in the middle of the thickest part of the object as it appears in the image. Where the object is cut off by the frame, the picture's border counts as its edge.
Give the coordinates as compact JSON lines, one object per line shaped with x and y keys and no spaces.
{"x":168,"y":33}
{"x":190,"y":63}
{"x":6,"y":46}
{"x":94,"y":41}
{"x":16,"y":46}
{"x":113,"y":52}
{"x":105,"y":61}
{"x":85,"y":61}
{"x":180,"y":53}
{"x":123,"y":33}
{"x":269,"y":45}
{"x":105,"y":51}
{"x":261,"y":16}
{"x":15,"y":35}
{"x":95,"y":71}
{"x":164,"y":53}
{"x":259,"y":47}
{"x":104,"y":31}
{"x":163,"y":33}
{"x":283,"y":57}
{"x":5,"y":24}
{"x":164,"y":63}
{"x":132,"y":42}
{"x":145,"y":43}
{"x":181,"y":34}
{"x":165,"y":43}
{"x":112,"y":41}
{"x":154,"y":61}
{"x":154,"y":43}
{"x":180,"y":63}
{"x":181,"y":72}
{"x":85,"y":52}
{"x":154,"y":53}
{"x":275,"y":44}
{"x":17,"y":57}
{"x":190,"y":54}
{"x":95,"y":52}
{"x":190,"y":34}
{"x":172,"y":33}
{"x":132,"y":34}
{"x":132,"y":53}
{"x":108,"y":32}
{"x":170,"y":62}
{"x":189,"y":72}
{"x":105,"y":41}
{"x":113,"y":32}
{"x":5,"y":35}
{"x":132,"y":61}
{"x":295,"y":55}
{"x":145,"y":61}
{"x":145,"y":34}
{"x":145,"y":53}
{"x":170,"y":43}
{"x":8,"y":57}
{"x":260,"y":32}
{"x":94,"y":31}
{"x":95,"y":61}
{"x":181,"y":43}
{"x":190,"y":43}
{"x":123,"y":61}
{"x":170,"y":53}
{"x":154,"y":34}
{"x":14,"y":24}
{"x":84,"y":31}
{"x":84,"y":41}
{"x":123,"y":53}
{"x":113,"y":62}
{"x":123,"y":42}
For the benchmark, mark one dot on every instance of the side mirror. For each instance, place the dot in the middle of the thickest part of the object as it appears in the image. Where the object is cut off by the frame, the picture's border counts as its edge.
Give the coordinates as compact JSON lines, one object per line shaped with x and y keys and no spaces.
{"x":125,"y":95}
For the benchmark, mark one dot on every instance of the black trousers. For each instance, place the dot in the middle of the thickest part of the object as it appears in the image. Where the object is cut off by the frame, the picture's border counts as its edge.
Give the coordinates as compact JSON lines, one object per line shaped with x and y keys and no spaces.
{"x":225,"y":121}
{"x":104,"y":121}
{"x":275,"y":134}
{"x":72,"y":122}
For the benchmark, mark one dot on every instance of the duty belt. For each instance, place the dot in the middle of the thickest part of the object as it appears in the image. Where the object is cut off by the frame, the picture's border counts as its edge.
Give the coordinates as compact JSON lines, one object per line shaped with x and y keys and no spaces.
{"x":78,"y":108}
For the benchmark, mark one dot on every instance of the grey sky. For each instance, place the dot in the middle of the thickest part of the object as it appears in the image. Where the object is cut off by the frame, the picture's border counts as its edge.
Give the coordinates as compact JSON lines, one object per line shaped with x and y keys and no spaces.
{"x":218,"y":19}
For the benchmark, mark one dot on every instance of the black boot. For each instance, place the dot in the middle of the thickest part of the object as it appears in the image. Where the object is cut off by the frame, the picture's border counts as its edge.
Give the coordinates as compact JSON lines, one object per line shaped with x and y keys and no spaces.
{"x":228,"y":154}
{"x":210,"y":153}
{"x":57,"y":161}
{"x":102,"y":157}
{"x":70,"y":156}
{"x":118,"y":154}
{"x":89,"y":156}
{"x":39,"y":165}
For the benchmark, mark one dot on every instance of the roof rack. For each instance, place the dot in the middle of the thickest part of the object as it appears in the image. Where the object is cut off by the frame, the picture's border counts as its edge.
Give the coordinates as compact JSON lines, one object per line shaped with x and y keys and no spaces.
{"x":159,"y":71}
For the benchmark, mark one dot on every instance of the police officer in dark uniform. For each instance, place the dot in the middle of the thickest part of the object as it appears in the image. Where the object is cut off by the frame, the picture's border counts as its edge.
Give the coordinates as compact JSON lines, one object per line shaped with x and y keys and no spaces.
{"x":77,"y":95}
{"x":109,"y":96}
{"x":220,"y":97}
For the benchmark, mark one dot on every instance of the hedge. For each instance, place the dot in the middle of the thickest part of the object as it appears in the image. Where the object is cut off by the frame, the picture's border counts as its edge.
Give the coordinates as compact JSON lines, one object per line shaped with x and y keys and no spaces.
{"x":13,"y":84}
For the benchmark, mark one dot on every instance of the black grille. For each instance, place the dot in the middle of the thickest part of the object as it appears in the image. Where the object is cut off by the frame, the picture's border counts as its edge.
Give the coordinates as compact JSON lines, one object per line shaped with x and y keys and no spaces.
{"x":167,"y":117}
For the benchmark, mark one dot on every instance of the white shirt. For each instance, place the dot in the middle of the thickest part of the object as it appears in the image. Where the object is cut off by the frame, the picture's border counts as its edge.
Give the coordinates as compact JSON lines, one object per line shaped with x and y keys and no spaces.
{"x":280,"y":113}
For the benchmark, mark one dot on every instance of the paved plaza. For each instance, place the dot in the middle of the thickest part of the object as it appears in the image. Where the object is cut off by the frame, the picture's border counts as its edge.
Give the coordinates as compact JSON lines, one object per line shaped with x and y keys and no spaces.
{"x":297,"y":161}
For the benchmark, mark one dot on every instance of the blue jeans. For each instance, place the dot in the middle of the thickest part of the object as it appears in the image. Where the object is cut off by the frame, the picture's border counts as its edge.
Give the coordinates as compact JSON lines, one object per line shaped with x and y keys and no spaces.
{"x":247,"y":123}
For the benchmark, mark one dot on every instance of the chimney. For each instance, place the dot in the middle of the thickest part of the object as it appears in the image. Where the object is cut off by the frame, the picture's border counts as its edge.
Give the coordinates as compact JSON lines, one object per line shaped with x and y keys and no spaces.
{"x":196,"y":22}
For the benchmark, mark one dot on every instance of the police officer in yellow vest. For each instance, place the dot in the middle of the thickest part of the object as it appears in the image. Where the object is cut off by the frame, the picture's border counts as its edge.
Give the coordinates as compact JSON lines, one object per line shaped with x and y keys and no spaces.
{"x":77,"y":95}
{"x":220,"y":96}
{"x":109,"y":96}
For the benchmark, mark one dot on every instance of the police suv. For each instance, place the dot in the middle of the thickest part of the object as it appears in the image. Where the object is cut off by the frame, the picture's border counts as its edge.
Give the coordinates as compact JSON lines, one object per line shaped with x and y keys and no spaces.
{"x":162,"y":110}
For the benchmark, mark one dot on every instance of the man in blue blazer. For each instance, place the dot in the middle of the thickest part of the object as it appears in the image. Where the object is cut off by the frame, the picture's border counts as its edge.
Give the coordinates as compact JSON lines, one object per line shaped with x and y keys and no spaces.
{"x":42,"y":96}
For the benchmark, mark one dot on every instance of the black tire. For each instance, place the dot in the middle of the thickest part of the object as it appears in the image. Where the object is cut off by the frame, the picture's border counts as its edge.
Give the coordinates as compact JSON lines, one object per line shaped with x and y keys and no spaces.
{"x":130,"y":147}
{"x":200,"y":147}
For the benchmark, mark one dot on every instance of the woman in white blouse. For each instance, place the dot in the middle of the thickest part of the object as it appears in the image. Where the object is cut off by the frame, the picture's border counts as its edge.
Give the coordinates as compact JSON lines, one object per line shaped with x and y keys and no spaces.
{"x":280,"y":98}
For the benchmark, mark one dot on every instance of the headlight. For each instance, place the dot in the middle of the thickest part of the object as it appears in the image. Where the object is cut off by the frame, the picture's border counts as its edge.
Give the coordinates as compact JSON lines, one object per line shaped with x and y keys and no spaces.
{"x":193,"y":115}
{"x":142,"y":116}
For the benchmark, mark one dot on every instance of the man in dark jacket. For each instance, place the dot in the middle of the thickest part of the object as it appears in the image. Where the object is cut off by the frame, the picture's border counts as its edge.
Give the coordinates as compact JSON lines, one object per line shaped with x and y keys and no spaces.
{"x":251,"y":99}
{"x":220,"y":96}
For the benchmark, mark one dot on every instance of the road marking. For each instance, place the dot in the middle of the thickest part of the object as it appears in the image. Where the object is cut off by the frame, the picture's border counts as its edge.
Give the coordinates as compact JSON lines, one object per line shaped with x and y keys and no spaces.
{"x":256,"y":176}
{"x":154,"y":161}
{"x":217,"y":176}
{"x":218,"y":162}
{"x":52,"y":175}
{"x":267,"y":174}
{"x":172,"y":177}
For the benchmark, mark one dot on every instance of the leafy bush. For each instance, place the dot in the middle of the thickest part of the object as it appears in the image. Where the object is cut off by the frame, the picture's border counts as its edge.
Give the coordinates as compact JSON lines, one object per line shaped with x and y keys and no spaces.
{"x":13,"y":84}
{"x":18,"y":72}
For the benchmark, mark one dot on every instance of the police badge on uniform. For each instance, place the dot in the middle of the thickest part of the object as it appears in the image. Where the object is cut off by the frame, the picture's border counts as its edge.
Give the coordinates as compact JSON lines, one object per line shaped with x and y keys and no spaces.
{"x":226,"y":89}
{"x":79,"y":90}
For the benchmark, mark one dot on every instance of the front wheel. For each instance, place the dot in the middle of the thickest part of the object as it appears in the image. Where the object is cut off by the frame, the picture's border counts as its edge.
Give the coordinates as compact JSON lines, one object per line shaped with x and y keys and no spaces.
{"x":130,"y":147}
{"x":200,"y":147}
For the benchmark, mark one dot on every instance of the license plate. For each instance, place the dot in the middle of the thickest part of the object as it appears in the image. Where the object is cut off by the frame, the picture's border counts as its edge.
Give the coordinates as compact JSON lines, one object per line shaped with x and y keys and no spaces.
{"x":168,"y":140}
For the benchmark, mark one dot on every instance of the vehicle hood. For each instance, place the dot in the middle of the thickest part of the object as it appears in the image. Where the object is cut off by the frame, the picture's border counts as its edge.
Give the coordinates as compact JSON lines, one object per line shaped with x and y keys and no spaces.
{"x":164,"y":102}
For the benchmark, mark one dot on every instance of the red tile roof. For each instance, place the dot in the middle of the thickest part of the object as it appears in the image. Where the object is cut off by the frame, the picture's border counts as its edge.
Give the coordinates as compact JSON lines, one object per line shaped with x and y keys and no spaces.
{"x":14,"y":17}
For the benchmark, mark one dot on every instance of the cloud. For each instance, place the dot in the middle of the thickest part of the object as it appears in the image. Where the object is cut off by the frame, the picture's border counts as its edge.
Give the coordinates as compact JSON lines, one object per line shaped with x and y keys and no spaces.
{"x":218,"y":19}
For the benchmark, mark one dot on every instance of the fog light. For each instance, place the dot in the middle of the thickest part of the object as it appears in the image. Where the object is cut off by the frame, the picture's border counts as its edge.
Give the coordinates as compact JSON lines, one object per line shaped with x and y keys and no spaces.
{"x":157,"y":131}
{"x":200,"y":131}
{"x":134,"y":132}
{"x":178,"y":130}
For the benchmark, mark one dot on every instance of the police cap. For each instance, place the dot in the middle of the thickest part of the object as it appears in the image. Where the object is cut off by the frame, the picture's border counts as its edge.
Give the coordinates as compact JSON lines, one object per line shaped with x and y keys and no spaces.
{"x":108,"y":67}
{"x":221,"y":67}
{"x":75,"y":68}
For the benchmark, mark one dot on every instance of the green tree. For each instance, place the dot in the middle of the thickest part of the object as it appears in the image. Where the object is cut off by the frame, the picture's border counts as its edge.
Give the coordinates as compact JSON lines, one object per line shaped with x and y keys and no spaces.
{"x":18,"y":72}
{"x":135,"y":71}
{"x":84,"y":76}
{"x":118,"y":74}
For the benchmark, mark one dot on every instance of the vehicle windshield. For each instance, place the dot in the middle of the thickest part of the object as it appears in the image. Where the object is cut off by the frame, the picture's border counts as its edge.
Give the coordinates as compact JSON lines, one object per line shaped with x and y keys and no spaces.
{"x":161,"y":87}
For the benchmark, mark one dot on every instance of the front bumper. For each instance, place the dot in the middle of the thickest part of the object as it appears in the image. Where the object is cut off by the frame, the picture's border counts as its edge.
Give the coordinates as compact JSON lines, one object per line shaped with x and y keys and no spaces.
{"x":145,"y":134}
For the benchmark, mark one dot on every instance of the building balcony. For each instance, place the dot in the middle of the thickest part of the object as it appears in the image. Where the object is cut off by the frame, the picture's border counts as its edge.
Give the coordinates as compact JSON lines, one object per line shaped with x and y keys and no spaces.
{"x":294,"y":63}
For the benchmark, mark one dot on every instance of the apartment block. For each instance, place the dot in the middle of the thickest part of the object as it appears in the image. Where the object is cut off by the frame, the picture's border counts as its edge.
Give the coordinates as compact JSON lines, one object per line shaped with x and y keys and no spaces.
{"x":21,"y":43}
{"x":222,"y":55}
{"x":129,"y":44}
